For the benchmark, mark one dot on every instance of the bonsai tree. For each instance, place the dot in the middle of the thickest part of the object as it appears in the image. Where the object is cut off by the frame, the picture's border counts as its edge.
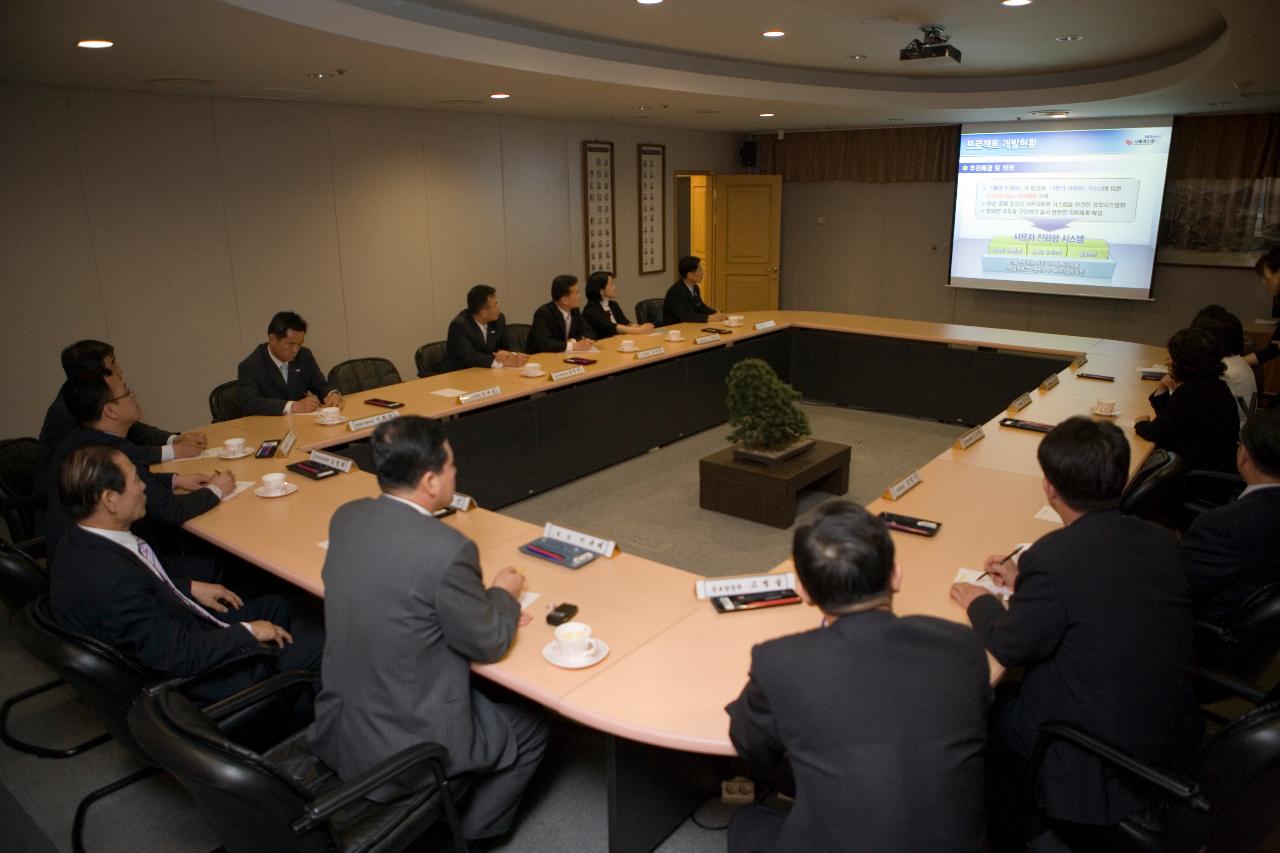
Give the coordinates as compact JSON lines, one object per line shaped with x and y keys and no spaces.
{"x":762,"y":408}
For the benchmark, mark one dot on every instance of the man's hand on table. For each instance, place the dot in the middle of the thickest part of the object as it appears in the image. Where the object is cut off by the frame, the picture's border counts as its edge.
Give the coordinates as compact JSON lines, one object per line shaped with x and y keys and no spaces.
{"x":189,"y":444}
{"x":965,"y":594}
{"x":190,"y":482}
{"x":307,"y":404}
{"x":333,"y":398}
{"x":512,"y":582}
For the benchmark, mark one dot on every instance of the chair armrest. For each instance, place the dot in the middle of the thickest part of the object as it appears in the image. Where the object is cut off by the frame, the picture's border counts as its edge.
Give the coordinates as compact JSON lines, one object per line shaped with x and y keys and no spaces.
{"x":228,"y":665}
{"x":1183,"y":789}
{"x":1219,"y":632}
{"x":259,"y":692}
{"x":1220,"y":679}
{"x":375,"y":777}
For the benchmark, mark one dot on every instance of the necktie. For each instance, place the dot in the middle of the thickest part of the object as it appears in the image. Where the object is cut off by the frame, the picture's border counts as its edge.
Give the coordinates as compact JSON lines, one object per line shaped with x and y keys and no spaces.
{"x":567,"y":325}
{"x":149,"y":557}
{"x":284,"y":373}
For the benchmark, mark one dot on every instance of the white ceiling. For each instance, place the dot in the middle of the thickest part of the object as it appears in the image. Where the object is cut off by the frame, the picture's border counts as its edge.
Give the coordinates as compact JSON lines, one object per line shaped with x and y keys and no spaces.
{"x":687,"y":63}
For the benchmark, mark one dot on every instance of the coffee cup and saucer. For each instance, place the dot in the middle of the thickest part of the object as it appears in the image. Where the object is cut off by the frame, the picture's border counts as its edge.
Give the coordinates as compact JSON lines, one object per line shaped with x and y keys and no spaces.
{"x":735,"y":320}
{"x":275,"y":486}
{"x":234,"y":448}
{"x":675,"y":336}
{"x":1105,"y":409}
{"x":330,"y":415}
{"x":532,"y":370}
{"x":626,"y":346}
{"x":574,"y":647}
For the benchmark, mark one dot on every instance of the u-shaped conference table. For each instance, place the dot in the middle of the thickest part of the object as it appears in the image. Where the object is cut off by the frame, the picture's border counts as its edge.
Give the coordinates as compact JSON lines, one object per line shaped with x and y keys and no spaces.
{"x":674,"y":662}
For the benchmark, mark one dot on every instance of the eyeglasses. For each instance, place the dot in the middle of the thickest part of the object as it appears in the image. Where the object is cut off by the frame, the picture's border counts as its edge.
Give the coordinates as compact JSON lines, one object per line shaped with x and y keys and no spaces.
{"x":127,"y":393}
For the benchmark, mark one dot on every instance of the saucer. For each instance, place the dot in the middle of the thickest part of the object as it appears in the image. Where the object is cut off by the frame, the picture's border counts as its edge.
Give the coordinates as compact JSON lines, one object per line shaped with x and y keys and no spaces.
{"x":1111,"y":414}
{"x":678,"y":340}
{"x":248,"y":451}
{"x":342,"y":419}
{"x":629,"y":351}
{"x":734,"y":323}
{"x":599,"y":651}
{"x":533,"y":375}
{"x":289,"y":488}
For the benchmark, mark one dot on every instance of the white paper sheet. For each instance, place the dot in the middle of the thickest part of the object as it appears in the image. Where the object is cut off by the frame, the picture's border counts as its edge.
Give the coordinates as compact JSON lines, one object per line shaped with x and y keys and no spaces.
{"x":988,"y":583}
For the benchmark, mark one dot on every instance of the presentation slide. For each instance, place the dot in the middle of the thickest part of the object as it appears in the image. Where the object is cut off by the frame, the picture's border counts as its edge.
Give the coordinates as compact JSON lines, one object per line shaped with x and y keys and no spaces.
{"x":1072,"y":211}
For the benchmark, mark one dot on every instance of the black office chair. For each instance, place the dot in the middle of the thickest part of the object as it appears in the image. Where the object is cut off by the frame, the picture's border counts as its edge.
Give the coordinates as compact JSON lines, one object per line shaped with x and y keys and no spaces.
{"x":224,"y":402}
{"x":19,"y":461}
{"x":362,"y":374}
{"x":286,"y":798}
{"x":1245,"y":643}
{"x":649,"y":311}
{"x":1225,"y":801}
{"x":1153,"y":488}
{"x":1201,"y":491}
{"x":519,"y":333}
{"x":429,"y":358}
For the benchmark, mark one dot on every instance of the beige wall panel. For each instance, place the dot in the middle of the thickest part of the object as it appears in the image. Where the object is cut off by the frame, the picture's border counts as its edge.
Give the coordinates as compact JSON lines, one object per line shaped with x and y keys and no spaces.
{"x":917,"y":252}
{"x":151,"y":181}
{"x":381,"y":193}
{"x":535,"y":172}
{"x":51,"y":291}
{"x":464,"y":213}
{"x":281,"y":223}
{"x":1074,"y":315}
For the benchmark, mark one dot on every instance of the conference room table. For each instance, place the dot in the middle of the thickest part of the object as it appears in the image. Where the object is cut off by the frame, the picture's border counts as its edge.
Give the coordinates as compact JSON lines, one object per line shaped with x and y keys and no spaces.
{"x":674,"y":663}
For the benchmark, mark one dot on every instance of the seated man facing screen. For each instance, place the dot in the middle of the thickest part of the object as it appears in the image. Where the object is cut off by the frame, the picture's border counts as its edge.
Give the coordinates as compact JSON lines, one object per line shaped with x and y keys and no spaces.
{"x":883,"y":719}
{"x":558,"y":326}
{"x":281,"y":376}
{"x":1234,"y":550}
{"x":407,"y":613}
{"x":683,"y":302}
{"x":478,"y":336}
{"x":1101,"y":620}
{"x":107,"y":583}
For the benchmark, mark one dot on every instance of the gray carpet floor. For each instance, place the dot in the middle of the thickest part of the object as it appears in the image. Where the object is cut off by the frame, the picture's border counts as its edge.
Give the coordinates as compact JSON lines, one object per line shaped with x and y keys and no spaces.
{"x":649,"y":505}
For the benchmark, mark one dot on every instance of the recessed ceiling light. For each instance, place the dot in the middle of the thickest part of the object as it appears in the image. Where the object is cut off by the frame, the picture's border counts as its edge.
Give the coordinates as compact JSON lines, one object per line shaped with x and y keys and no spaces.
{"x":857,"y":56}
{"x":320,"y":75}
{"x":94,"y":44}
{"x":1050,"y":113}
{"x":648,"y":2}
{"x":773,"y":34}
{"x":1068,"y":38}
{"x":499,"y":96}
{"x":641,"y":109}
{"x":1015,"y":2}
{"x":766,"y":115}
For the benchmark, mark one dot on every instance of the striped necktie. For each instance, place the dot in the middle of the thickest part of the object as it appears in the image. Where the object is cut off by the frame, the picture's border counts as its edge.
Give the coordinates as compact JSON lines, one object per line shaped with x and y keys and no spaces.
{"x":149,"y":557}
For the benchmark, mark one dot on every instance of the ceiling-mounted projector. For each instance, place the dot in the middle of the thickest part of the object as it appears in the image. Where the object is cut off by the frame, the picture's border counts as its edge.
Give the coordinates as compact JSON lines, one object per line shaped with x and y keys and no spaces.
{"x":934,"y":45}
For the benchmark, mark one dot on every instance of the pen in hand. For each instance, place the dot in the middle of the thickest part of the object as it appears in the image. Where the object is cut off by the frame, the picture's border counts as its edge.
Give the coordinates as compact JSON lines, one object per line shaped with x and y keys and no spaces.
{"x":1015,"y":552}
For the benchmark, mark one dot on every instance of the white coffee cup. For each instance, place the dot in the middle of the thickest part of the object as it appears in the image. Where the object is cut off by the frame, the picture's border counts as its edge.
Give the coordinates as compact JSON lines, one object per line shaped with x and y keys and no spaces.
{"x":732,"y":322}
{"x":1105,"y":407}
{"x":273,"y":484}
{"x":330,"y":415}
{"x":233,"y":447}
{"x":532,"y":369}
{"x":573,"y":639}
{"x":626,"y":346}
{"x":675,"y":335}
{"x":737,"y":318}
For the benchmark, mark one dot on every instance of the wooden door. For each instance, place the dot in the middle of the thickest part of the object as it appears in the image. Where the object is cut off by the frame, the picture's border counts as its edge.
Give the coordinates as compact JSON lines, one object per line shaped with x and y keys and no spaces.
{"x":747,"y":246}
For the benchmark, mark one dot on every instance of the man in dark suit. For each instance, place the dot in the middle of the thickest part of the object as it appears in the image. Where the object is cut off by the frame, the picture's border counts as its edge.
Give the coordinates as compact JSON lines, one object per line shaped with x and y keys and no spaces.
{"x":883,"y":719}
{"x":1101,"y":620}
{"x":406,"y":613}
{"x":107,"y":409}
{"x":558,"y":326}
{"x":683,"y":302}
{"x":107,"y":583}
{"x":478,"y":336}
{"x":95,"y":358}
{"x":281,"y":376}
{"x":1233,"y":551}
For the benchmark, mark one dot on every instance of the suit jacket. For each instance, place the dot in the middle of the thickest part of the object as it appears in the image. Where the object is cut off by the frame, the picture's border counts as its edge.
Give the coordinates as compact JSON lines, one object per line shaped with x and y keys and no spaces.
{"x":884,"y":721}
{"x":58,"y":424}
{"x":262,"y":390}
{"x":680,"y":306}
{"x":406,"y":613}
{"x":1198,"y":422}
{"x":1101,"y":619}
{"x":599,"y":323}
{"x":104,"y":590}
{"x":1233,"y":551}
{"x":164,"y":508}
{"x":466,"y":347}
{"x":546,"y":333}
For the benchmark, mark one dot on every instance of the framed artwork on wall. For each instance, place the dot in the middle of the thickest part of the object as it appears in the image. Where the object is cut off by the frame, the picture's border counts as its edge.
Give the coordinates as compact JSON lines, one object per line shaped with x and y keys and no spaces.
{"x":652,"y":197}
{"x":597,"y":206}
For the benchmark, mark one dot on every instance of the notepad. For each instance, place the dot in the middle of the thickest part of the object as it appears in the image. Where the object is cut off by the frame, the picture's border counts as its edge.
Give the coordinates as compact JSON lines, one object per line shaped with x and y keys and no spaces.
{"x":448,"y":392}
{"x":988,"y":583}
{"x":241,"y":485}
{"x":1047,"y":513}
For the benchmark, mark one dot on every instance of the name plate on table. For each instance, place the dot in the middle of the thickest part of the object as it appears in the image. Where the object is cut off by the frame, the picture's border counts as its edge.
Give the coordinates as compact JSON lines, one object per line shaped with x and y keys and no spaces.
{"x":650,"y":353}
{"x":1049,"y":383}
{"x":482,"y":394}
{"x":765,"y":324}
{"x":568,"y":372}
{"x":707,"y":339}
{"x":286,"y":443}
{"x":462,"y":502}
{"x":1081,"y":361}
{"x":903,"y":486}
{"x":372,"y":420}
{"x":1019,"y":404}
{"x":603,"y":547}
{"x":744,"y":585}
{"x":342,"y":463}
{"x":970,"y":438}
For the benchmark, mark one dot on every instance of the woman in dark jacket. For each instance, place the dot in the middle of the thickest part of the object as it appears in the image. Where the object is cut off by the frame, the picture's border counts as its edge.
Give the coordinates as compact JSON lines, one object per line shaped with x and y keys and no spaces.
{"x":1195,"y":412}
{"x":603,"y":315}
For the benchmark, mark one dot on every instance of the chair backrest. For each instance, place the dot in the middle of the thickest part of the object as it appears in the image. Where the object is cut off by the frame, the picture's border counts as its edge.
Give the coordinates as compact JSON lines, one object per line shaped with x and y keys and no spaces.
{"x":1153,"y":485}
{"x":19,"y":461}
{"x":21,"y":580}
{"x":250,"y":803}
{"x":429,"y":358}
{"x":103,"y":678}
{"x":362,"y":374}
{"x":649,"y":311}
{"x":224,"y":402}
{"x":519,"y":333}
{"x":1239,"y":774}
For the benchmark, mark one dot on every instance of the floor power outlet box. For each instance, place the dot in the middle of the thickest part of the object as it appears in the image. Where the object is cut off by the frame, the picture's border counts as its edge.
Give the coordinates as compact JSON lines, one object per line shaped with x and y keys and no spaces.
{"x":737,"y":791}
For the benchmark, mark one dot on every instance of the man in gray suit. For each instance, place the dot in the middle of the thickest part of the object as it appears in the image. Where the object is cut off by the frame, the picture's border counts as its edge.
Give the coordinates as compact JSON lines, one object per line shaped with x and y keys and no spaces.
{"x":406,"y":614}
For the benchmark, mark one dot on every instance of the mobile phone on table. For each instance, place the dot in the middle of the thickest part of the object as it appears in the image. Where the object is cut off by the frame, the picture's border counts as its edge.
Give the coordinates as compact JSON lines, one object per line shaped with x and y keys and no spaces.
{"x":577,"y":359}
{"x":267,"y":449}
{"x":1030,"y":426}
{"x":386,"y":404}
{"x":1101,"y":377}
